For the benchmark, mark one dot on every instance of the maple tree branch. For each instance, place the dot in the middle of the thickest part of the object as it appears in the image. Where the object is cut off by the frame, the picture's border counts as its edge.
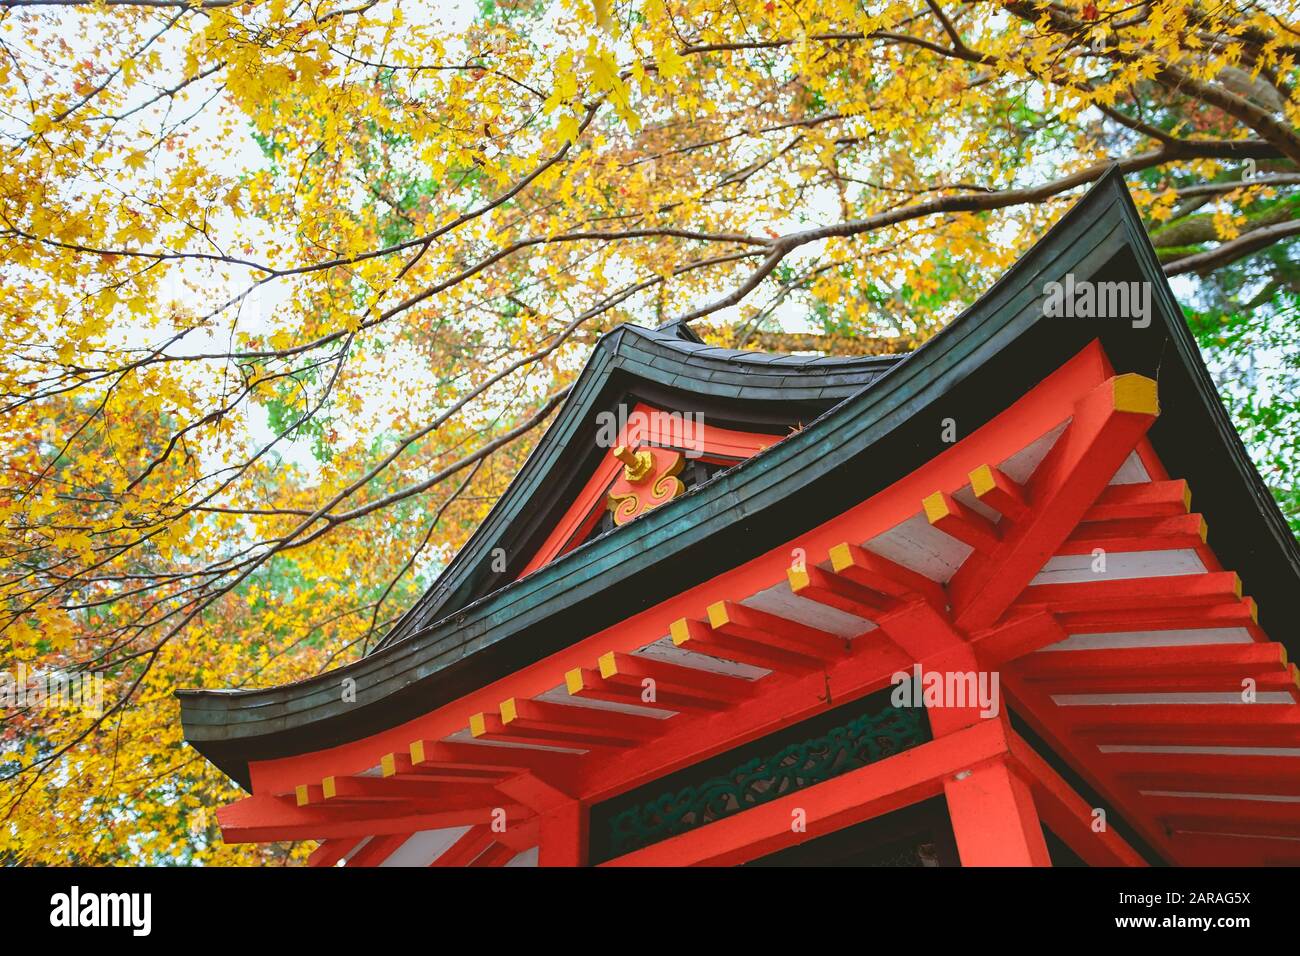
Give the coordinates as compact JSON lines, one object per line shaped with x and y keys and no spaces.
{"x":961,"y":202}
{"x":1233,"y":249}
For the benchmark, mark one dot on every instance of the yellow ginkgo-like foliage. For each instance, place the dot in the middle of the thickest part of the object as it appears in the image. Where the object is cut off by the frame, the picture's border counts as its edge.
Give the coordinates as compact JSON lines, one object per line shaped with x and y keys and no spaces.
{"x":288,"y":287}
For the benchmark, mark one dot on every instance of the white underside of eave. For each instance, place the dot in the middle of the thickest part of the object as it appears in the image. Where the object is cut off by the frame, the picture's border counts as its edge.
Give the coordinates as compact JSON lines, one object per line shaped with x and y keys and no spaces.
{"x":1188,"y":637}
{"x":780,"y":600}
{"x":422,"y":848}
{"x":918,"y":545}
{"x":1249,"y":797}
{"x":1199,"y":750}
{"x":1226,"y":698}
{"x":1119,"y":566}
{"x":1132,"y":472}
{"x":665,"y":650}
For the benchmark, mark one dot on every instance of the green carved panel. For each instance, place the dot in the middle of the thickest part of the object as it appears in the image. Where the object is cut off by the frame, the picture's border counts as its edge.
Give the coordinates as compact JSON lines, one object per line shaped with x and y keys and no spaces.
{"x":858,"y":742}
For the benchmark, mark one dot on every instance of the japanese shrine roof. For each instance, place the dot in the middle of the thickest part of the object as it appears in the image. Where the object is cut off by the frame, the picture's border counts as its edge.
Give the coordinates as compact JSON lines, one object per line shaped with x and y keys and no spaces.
{"x":671,"y":369}
{"x":867,"y":421}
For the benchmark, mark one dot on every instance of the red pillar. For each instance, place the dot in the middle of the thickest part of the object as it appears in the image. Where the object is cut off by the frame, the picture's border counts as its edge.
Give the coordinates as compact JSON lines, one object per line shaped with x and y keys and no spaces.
{"x":992,"y":810}
{"x":563,"y":836}
{"x":993,"y":817}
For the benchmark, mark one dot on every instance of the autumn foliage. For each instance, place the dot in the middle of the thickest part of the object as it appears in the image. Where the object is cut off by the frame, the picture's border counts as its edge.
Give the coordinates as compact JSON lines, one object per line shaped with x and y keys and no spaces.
{"x":287,"y":288}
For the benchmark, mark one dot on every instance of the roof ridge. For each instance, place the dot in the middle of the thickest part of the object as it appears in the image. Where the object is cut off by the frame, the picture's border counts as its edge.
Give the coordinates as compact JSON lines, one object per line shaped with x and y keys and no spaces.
{"x":681,"y":330}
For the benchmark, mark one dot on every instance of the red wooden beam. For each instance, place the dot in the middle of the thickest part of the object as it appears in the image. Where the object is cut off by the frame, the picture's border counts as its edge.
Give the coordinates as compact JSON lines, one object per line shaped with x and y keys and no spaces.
{"x":331,"y":851}
{"x":467,"y":847}
{"x":762,"y":627}
{"x":1210,"y":725}
{"x":484,"y":726}
{"x":850,"y":798}
{"x":999,"y":492}
{"x":1188,"y":669}
{"x":699,"y":637}
{"x":949,"y":718}
{"x":911,"y":622}
{"x":1107,"y":424}
{"x":1019,"y":635}
{"x":1191,"y":659}
{"x":498,"y":854}
{"x":400,"y":765}
{"x":781,"y":703}
{"x":522,"y":714}
{"x":534,"y":793}
{"x":1210,"y":849}
{"x":920,"y":629}
{"x":1166,"y":533}
{"x":1226,"y":814}
{"x":520,"y":835}
{"x":878,"y":573}
{"x":1218,"y":776}
{"x":1055,"y":726}
{"x":994,"y":819}
{"x":1229,"y":613}
{"x":587,"y":684}
{"x":1227,"y":682}
{"x":563,"y":836}
{"x":910,"y":610}
{"x":507,"y":761}
{"x":1069,"y":816}
{"x":378,"y":849}
{"x":832,"y":590}
{"x":1177,"y":592}
{"x":674,"y":678}
{"x":1283,"y":821}
{"x":954,"y":519}
{"x":1184,"y":771}
{"x":266,"y":819}
{"x":359,"y":789}
{"x":1148,"y":499}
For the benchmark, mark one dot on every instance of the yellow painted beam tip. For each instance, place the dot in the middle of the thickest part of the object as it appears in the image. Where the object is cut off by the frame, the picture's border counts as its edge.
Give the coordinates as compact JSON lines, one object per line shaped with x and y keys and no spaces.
{"x":300,"y":794}
{"x":1236,"y":583}
{"x":1254,"y":609}
{"x":1135,"y":393}
{"x":1187,"y":496}
{"x":329,"y":788}
{"x":936,"y":507}
{"x":1205,"y":531}
{"x":798,"y":578}
{"x":680,"y":632}
{"x":841,"y":557}
{"x":477,"y":725}
{"x":509,"y":710}
{"x":388,"y":764}
{"x":608,"y":664}
{"x":573,"y":680}
{"x":417,"y":751}
{"x":981,"y":481}
{"x":718,"y":614}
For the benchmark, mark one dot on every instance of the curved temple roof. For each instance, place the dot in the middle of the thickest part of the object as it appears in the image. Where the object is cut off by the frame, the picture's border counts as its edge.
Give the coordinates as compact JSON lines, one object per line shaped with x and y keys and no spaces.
{"x":670,"y":368}
{"x":869,"y":421}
